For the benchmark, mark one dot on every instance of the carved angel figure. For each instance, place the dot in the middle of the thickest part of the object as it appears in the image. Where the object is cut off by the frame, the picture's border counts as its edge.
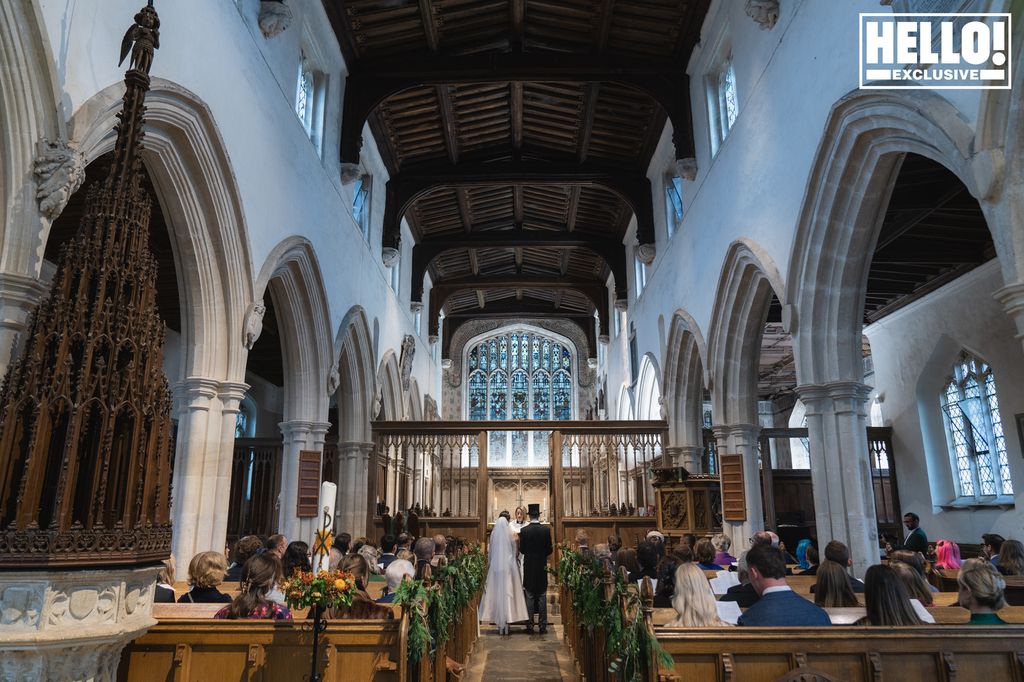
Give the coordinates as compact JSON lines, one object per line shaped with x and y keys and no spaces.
{"x":142,"y":39}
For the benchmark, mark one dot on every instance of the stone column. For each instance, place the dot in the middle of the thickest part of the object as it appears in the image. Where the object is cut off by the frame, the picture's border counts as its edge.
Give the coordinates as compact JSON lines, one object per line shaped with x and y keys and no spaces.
{"x":688,"y":457}
{"x":1012,"y":299}
{"x":231,"y":395}
{"x":844,"y":503}
{"x":298,"y":435}
{"x":741,"y":439}
{"x":353,"y":487}
{"x":19,"y":295}
{"x":199,"y":433}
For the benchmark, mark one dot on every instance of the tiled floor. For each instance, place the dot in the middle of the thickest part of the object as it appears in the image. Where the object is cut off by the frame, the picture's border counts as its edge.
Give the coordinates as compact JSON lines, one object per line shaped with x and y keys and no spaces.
{"x":520,"y":657}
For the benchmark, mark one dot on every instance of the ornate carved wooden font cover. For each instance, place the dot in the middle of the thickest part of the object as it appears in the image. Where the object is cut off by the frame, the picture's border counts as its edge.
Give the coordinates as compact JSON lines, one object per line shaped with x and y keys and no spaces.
{"x":85,"y":429}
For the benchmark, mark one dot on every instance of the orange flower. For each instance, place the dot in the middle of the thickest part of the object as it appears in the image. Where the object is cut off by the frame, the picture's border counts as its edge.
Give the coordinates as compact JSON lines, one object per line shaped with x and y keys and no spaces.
{"x":340,"y":584}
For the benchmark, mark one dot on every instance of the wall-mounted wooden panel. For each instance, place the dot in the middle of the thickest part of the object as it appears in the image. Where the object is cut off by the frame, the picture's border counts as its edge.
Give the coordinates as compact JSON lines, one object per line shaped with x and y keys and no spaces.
{"x":734,"y":502}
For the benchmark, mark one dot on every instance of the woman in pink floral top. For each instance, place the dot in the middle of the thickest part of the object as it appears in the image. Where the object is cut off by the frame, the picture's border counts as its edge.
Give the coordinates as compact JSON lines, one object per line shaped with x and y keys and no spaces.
{"x":258,"y":577}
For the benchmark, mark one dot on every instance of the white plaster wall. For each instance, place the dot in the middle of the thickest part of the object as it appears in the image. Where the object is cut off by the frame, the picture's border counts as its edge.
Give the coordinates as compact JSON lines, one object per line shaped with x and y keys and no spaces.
{"x":914,"y":350}
{"x":787,"y":80}
{"x":216,"y":50}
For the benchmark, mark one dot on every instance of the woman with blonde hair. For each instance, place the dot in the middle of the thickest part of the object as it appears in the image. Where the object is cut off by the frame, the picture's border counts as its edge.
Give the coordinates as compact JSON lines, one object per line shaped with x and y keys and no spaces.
{"x":205,"y":572}
{"x":981,"y":591}
{"x":832,"y":588}
{"x":693,"y":599}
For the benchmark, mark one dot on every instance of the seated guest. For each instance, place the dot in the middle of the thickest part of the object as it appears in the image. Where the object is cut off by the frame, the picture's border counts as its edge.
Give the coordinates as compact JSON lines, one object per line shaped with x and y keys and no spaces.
{"x":334,"y":557}
{"x":658,"y":540}
{"x":917,"y":586}
{"x":387,"y":551}
{"x":614,"y":545}
{"x":395,"y":573}
{"x":947,"y":554}
{"x":165,"y":583}
{"x":246,"y":547}
{"x":405,"y":555}
{"x":276,"y":545}
{"x":647,"y":561}
{"x":886,"y":599}
{"x":743,"y":594}
{"x":682,"y":554}
{"x":205,"y":572}
{"x":343,"y":542}
{"x":1011,"y":558}
{"x":627,"y":560}
{"x":838,"y":552}
{"x":440,"y":545}
{"x":259,"y":577}
{"x":688,"y":539}
{"x":801,"y":554}
{"x":832,"y":588}
{"x":424,"y":551}
{"x":666,"y":583}
{"x":362,"y":607}
{"x":770,"y":539}
{"x":913,"y":559}
{"x":779,"y":604}
{"x":991,"y":545}
{"x":372,"y":556}
{"x":296,"y":558}
{"x":403,"y":541}
{"x":981,"y":592}
{"x":704,"y":552}
{"x":693,"y":600}
{"x":722,"y":543}
{"x":812,"y":559}
{"x":582,"y":540}
{"x":603,"y":555}
{"x":789,"y":558}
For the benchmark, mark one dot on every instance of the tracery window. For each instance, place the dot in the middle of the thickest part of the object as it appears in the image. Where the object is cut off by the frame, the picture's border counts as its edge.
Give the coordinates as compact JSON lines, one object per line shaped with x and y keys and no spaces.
{"x":673,"y":204}
{"x":309,"y":90}
{"x":361,"y":204}
{"x":974,"y":430}
{"x":723,"y":102}
{"x":520,"y":374}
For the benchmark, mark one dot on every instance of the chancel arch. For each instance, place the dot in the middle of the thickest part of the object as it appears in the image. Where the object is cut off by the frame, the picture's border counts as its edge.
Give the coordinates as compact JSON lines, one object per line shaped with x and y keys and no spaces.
{"x":684,"y":384}
{"x":649,"y":398}
{"x":390,"y":400}
{"x":748,"y":281}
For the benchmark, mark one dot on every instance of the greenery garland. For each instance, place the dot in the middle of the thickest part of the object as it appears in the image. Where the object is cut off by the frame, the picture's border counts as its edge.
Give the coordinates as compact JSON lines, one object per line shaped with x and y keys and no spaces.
{"x":628,"y":640}
{"x":436,"y":607}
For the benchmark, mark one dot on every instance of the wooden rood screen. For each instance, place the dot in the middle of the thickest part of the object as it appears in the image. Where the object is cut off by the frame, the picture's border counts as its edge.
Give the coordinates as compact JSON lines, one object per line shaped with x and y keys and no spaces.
{"x":598,"y":473}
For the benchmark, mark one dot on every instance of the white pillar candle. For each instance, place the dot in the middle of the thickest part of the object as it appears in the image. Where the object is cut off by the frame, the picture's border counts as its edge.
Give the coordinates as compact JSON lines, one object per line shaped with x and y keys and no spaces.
{"x":328,"y":495}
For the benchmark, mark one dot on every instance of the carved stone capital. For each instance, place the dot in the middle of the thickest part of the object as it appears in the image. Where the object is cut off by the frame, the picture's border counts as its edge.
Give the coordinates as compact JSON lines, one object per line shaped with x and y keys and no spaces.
{"x":433,"y":338}
{"x":621,"y":305}
{"x":834,"y":397}
{"x":646,"y":253}
{"x":390,"y":256}
{"x":415,"y":307}
{"x":446,"y":364}
{"x":764,"y":12}
{"x":604,"y":339}
{"x":687,"y":168}
{"x":350,"y":172}
{"x":275,"y":17}
{"x":59,"y":170}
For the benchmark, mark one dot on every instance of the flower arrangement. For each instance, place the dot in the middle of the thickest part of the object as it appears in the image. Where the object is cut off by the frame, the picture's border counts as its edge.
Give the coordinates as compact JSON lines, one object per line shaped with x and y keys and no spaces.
{"x":305,"y":589}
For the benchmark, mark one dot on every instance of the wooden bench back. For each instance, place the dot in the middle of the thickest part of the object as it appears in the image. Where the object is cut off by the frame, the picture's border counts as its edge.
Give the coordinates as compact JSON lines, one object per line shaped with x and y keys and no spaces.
{"x":943,"y":653}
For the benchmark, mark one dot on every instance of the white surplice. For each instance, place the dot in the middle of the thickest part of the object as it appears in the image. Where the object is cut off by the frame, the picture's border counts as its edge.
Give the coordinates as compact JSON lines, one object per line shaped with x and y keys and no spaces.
{"x":503,"y":601}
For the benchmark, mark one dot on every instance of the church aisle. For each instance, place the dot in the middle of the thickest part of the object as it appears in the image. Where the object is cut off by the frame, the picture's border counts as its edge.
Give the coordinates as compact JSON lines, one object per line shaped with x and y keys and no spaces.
{"x":520,"y":657}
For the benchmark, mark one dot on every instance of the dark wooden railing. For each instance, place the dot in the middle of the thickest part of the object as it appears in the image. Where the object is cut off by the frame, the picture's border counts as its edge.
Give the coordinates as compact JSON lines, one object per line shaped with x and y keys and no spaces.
{"x":255,"y":484}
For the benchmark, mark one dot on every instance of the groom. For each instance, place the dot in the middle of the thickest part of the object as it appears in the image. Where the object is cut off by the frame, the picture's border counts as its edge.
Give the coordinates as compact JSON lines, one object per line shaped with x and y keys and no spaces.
{"x":535,"y":546}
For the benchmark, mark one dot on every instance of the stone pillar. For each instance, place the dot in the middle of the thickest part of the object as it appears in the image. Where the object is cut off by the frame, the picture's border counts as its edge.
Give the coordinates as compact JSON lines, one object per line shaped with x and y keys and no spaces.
{"x":72,"y":625}
{"x":1012,"y":299}
{"x":741,"y":439}
{"x":844,"y":502}
{"x":19,"y":294}
{"x":231,"y":395}
{"x":689,"y":456}
{"x":353,"y":487}
{"x":298,"y":435}
{"x":199,"y":433}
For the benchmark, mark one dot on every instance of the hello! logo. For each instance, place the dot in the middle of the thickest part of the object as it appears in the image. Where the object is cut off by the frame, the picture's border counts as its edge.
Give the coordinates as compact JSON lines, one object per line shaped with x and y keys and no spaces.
{"x":941,"y":51}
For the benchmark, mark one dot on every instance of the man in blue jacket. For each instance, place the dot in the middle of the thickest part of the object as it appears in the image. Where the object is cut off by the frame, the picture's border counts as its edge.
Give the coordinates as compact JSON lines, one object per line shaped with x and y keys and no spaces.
{"x":779,"y":605}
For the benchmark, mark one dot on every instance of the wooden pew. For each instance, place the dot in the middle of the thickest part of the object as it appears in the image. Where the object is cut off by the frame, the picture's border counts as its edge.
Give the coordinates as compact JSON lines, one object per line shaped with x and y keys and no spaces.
{"x":188,"y":645}
{"x":934,"y":652}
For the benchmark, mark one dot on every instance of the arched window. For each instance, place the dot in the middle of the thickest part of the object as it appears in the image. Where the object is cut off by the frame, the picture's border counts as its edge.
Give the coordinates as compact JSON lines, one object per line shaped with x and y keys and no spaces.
{"x":974,"y":430}
{"x":245,"y":420}
{"x":520,"y":373}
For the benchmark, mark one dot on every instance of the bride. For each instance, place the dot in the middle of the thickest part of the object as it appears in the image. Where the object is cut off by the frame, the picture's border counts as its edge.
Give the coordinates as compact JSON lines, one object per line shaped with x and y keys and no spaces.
{"x":503,"y":601}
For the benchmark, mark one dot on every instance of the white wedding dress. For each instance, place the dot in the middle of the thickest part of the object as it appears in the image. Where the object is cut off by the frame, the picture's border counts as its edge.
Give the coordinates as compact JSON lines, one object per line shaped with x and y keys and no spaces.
{"x":503,"y":601}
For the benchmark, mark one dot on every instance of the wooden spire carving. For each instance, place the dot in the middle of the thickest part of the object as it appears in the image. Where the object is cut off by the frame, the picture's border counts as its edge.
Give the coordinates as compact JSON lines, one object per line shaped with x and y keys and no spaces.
{"x":85,"y":428}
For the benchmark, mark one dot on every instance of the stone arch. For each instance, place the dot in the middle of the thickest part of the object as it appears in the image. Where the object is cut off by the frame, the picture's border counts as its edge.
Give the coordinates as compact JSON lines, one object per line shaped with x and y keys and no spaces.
{"x":745,"y":287}
{"x":624,"y":408}
{"x":29,"y":113}
{"x":356,"y":376}
{"x":413,"y":403}
{"x":389,"y":388}
{"x":685,"y":380}
{"x":865,"y":139}
{"x":196,"y":185}
{"x":649,"y":394}
{"x":291,"y":275}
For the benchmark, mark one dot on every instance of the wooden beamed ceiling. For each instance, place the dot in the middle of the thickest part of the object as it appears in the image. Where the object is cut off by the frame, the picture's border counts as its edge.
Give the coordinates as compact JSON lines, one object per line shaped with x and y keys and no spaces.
{"x":517,"y":135}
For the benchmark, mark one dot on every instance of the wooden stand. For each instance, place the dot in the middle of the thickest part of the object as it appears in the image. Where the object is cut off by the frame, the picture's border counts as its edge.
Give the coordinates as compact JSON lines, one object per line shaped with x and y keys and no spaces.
{"x":690,"y":506}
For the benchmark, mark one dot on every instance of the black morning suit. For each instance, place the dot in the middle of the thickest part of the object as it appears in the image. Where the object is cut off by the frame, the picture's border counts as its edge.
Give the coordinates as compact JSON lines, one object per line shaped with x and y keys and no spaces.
{"x":535,"y":546}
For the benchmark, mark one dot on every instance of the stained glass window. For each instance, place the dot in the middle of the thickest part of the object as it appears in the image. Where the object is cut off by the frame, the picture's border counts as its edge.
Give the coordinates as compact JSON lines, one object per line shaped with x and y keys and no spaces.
{"x":516,"y":374}
{"x":974,"y":430}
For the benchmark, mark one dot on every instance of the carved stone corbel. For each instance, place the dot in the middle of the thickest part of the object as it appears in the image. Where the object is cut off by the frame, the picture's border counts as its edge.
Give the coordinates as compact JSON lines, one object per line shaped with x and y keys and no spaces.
{"x":253,"y":324}
{"x":59,"y":170}
{"x":646,"y":253}
{"x":764,"y":12}
{"x":275,"y":18}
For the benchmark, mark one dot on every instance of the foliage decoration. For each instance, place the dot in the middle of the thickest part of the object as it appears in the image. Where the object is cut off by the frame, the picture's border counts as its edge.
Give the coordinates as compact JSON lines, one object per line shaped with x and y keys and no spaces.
{"x":306,"y":589}
{"x":413,"y":593}
{"x":629,"y":642}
